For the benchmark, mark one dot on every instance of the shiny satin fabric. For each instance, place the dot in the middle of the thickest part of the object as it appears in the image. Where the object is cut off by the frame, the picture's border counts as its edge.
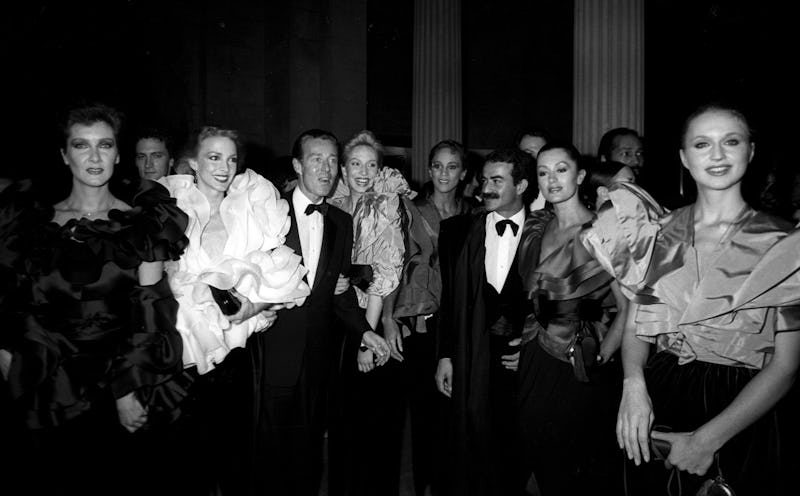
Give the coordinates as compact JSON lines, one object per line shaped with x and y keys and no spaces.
{"x":727,"y":314}
{"x":81,"y":329}
{"x":568,"y":288}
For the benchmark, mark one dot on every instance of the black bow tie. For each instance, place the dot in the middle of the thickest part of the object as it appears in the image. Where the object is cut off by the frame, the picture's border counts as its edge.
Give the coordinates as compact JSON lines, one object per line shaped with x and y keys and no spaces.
{"x":501,"y":226}
{"x":319,"y":207}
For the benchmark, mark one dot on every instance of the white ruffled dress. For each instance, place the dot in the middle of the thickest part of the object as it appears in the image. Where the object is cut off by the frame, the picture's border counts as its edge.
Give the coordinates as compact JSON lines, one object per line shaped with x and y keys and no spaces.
{"x":253,"y":260}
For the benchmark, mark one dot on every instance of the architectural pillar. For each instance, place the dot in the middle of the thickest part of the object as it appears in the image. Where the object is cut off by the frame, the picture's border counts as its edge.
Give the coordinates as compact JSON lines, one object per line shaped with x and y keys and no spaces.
{"x":608,"y":85}
{"x":436,"y":101}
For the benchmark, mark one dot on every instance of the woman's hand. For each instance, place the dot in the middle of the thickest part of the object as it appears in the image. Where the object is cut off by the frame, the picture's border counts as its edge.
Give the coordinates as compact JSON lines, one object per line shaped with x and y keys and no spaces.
{"x":377,"y":345}
{"x":688,"y":451}
{"x":511,"y":362}
{"x":394,"y":337}
{"x":607,"y":350}
{"x":5,"y":363}
{"x":366,"y":361}
{"x":132,"y":415}
{"x":634,"y":420}
{"x":247,"y":310}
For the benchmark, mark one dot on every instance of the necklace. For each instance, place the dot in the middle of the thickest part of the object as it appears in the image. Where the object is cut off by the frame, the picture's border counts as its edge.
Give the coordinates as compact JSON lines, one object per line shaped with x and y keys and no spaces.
{"x":94,"y":213}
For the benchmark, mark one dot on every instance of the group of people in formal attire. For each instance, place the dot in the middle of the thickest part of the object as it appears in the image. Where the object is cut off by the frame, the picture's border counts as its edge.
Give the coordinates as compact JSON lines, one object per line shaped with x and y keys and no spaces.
{"x":556,"y":333}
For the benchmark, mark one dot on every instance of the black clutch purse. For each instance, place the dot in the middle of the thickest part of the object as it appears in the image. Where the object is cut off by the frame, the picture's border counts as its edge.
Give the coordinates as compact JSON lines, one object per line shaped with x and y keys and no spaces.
{"x":228,"y":303}
{"x":716,"y":486}
{"x":360,"y":276}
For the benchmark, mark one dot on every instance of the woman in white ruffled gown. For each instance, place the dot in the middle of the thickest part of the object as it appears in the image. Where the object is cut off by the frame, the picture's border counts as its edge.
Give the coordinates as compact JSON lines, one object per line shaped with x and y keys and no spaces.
{"x":237,"y":228}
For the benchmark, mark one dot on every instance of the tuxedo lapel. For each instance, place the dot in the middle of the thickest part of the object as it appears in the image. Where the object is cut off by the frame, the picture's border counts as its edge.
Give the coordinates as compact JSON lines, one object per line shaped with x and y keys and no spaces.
{"x":328,"y":242}
{"x":477,"y":247}
{"x":293,"y":236}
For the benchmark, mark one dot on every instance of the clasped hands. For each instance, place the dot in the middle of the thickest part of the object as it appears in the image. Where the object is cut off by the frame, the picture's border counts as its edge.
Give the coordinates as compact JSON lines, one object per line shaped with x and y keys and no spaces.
{"x":376,"y":354}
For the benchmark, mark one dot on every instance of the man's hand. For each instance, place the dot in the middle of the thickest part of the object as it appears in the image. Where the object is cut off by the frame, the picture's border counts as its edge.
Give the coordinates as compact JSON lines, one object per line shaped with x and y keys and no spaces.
{"x":444,"y":377}
{"x":132,"y":415}
{"x":342,"y":285}
{"x":511,"y":362}
{"x":271,"y":316}
{"x":366,"y":361}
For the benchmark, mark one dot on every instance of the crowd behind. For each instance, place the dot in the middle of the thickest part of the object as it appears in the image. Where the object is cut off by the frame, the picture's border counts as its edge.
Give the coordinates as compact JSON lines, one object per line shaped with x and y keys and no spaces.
{"x":208,"y":326}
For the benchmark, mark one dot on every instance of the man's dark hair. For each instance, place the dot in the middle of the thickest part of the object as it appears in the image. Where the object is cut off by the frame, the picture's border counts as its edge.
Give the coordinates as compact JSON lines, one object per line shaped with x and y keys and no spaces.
{"x":608,"y":139}
{"x":156,"y":133}
{"x":534,"y":132}
{"x":520,"y":161}
{"x":297,"y":147}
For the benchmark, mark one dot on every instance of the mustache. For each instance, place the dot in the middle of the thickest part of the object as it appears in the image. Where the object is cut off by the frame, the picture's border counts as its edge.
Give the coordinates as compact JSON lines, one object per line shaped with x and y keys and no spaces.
{"x":491,"y":196}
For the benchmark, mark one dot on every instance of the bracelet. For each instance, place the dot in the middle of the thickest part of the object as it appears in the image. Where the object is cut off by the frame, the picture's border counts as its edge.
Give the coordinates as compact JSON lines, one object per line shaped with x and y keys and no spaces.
{"x":363,"y":346}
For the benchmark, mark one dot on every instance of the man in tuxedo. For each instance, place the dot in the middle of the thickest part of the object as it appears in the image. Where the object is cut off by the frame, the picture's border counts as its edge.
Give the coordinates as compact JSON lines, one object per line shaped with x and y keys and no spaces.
{"x":292,"y":359}
{"x":486,"y":312}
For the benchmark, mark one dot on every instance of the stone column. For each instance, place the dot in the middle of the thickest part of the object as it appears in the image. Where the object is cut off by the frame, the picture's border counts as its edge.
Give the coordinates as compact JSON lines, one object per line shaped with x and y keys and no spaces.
{"x":608,"y":86}
{"x":436,"y":101}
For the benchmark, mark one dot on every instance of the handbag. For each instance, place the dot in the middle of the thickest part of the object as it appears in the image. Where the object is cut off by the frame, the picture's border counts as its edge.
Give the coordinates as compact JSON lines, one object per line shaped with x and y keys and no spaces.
{"x":228,"y":303}
{"x":716,"y":486}
{"x":583,"y":351}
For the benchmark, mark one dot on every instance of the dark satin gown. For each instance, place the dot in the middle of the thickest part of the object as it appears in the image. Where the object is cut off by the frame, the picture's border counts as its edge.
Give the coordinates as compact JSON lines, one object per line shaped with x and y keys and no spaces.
{"x":567,"y":413}
{"x":83,"y":332}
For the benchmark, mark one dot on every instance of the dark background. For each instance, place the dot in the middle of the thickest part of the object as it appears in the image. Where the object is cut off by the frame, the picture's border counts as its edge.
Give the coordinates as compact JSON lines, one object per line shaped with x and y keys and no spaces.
{"x":183,"y":64}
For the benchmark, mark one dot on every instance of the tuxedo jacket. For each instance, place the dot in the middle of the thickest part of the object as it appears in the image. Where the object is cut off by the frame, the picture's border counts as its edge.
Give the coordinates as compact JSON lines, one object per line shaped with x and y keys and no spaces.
{"x":307,"y":337}
{"x":467,"y":317}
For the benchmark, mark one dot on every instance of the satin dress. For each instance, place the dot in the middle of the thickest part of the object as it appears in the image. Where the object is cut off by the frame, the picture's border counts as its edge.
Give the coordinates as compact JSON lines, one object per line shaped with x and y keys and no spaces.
{"x":567,"y":405}
{"x":83,"y":332}
{"x":713,"y":326}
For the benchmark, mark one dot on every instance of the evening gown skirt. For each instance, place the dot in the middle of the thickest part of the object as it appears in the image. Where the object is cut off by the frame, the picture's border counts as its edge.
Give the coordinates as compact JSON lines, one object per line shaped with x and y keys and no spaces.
{"x":567,"y":426}
{"x":684,"y":398}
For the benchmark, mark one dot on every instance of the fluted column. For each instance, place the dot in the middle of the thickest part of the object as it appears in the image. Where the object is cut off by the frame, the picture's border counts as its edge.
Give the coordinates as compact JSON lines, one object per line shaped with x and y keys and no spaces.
{"x":608,"y":82}
{"x":436,"y":100}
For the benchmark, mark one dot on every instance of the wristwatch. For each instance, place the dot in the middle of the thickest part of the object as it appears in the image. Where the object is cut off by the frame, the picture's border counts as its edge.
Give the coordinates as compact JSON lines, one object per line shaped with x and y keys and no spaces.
{"x":363,"y":346}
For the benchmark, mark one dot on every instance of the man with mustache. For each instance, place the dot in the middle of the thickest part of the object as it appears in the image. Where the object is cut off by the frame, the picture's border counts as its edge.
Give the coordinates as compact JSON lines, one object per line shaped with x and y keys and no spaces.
{"x":485,"y":313}
{"x":291,"y":362}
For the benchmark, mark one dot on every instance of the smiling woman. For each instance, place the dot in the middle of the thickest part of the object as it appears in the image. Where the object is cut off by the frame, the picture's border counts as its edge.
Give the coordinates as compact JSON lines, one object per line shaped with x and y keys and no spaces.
{"x":567,"y":370}
{"x":237,"y":228}
{"x":715,"y":289}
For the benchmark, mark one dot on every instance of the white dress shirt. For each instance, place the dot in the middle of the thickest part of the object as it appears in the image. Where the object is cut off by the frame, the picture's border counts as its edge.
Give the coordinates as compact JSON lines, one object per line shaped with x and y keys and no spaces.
{"x":309,"y":229}
{"x":500,"y":250}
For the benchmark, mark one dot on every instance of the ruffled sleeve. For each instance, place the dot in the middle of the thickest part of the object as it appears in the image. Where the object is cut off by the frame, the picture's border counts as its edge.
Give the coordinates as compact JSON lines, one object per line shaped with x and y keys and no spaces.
{"x":392,"y":181}
{"x":623,"y":236}
{"x":152,"y":230}
{"x":150,"y":359}
{"x":421,"y":288}
{"x":23,"y":222}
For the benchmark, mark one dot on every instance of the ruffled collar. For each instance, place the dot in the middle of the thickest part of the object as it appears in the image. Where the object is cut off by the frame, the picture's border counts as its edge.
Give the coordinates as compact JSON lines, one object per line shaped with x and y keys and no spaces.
{"x":152,"y":230}
{"x":566,"y":273}
{"x":388,"y":181}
